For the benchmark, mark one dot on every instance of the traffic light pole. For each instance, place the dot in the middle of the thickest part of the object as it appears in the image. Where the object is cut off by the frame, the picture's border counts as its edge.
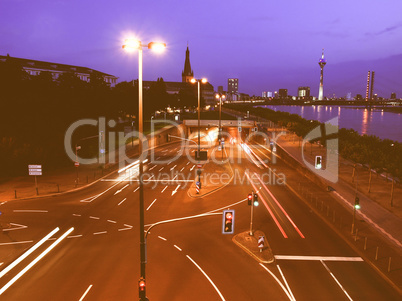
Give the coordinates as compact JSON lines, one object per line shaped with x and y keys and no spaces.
{"x":252,"y":213}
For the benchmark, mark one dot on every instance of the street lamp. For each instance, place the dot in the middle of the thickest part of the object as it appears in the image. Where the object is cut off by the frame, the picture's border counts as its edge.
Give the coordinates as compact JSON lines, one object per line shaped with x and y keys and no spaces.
{"x":198,"y":81}
{"x":220,"y":96}
{"x":132,"y":45}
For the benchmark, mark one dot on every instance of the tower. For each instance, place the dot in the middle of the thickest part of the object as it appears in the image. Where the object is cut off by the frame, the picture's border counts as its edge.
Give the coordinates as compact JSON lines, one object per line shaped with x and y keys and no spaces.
{"x":322,"y":62}
{"x":187,"y":73}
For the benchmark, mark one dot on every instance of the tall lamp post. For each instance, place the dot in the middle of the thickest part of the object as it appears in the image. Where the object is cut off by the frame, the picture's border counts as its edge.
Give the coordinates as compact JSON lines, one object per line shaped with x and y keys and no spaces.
{"x":132,"y":45}
{"x":199,"y":81}
{"x":220,"y":96}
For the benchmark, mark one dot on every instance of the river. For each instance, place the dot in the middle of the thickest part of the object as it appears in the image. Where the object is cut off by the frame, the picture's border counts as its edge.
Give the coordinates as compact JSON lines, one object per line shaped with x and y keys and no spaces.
{"x":385,"y":125}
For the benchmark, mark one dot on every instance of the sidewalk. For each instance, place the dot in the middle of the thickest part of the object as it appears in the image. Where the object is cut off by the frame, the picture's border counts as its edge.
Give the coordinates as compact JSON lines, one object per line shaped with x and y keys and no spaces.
{"x":388,"y":223}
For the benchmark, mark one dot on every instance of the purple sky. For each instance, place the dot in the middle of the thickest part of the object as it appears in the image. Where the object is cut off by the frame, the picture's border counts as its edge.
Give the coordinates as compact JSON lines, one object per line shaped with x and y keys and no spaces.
{"x":266,"y":44}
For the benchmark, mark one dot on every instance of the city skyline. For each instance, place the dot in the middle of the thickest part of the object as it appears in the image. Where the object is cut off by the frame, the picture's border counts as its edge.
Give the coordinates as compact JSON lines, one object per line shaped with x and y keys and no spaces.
{"x":267,"y":46}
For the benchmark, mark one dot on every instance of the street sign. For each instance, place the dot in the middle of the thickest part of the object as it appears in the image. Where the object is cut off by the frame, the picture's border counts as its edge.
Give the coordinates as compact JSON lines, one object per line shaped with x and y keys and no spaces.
{"x":199,"y":165}
{"x":35,"y":170}
{"x":77,"y":164}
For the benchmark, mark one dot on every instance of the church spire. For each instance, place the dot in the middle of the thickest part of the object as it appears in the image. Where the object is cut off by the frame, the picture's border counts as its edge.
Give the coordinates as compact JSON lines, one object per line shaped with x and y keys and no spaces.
{"x":187,"y":73}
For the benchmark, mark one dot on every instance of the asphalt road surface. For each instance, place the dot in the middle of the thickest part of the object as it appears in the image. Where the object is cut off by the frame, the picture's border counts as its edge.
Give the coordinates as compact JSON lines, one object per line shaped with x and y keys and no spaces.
{"x":93,"y":251}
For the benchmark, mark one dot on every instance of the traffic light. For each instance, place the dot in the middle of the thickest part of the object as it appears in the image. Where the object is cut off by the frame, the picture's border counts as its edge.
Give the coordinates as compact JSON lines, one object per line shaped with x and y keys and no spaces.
{"x":318,"y":162}
{"x":357,"y":203}
{"x":256,"y":203}
{"x":249,"y":198}
{"x":228,"y":222}
{"x":141,"y":288}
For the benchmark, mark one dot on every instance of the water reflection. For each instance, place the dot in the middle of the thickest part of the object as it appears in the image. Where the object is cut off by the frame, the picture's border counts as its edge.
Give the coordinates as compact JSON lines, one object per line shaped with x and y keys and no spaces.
{"x":371,"y":122}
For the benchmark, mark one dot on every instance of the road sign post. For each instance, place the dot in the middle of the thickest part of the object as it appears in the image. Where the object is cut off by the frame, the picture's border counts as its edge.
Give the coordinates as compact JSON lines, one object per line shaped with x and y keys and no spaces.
{"x":35,"y":170}
{"x":261,"y":242}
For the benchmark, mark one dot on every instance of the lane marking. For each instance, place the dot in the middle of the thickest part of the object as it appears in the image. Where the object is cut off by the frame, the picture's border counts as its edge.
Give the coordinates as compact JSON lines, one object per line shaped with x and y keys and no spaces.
{"x":206,"y":276}
{"x":269,"y":209}
{"x":8,"y":284}
{"x":120,"y":190}
{"x":181,"y":169}
{"x":151,"y":204}
{"x":191,"y":169}
{"x":188,"y":163}
{"x":136,"y":189}
{"x":101,"y":232}
{"x":152,"y":167}
{"x":86,"y":292}
{"x":122,"y":229}
{"x":164,"y":189}
{"x":74,"y":236}
{"x":161,"y":168}
{"x":177,"y":248}
{"x":173,"y":167}
{"x":286,"y":283}
{"x":111,"y":221}
{"x":279,"y":282}
{"x":15,"y":242}
{"x":320,"y":258}
{"x":94,"y":217}
{"x":336,"y":280}
{"x":279,"y":205}
{"x":128,"y":225}
{"x":16,"y":228}
{"x":27,"y":253}
{"x":31,"y":211}
{"x":121,"y":202}
{"x":174,"y":192}
{"x":162,"y":238}
{"x":76,"y":214}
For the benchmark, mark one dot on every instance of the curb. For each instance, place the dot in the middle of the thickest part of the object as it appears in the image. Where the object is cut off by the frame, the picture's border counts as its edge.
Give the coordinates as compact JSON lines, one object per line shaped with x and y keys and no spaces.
{"x":266,"y":256}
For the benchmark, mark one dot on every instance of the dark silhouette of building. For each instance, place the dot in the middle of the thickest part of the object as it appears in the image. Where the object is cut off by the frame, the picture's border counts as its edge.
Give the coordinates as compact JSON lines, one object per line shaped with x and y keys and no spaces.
{"x":187,"y":73}
{"x":283,"y":93}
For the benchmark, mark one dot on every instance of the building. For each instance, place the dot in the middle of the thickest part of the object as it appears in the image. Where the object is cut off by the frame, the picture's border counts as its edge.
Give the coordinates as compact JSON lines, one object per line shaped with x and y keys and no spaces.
{"x":283,"y":93}
{"x":303,"y":92}
{"x":393,"y":95}
{"x":187,"y":73}
{"x":322,"y":62}
{"x":207,"y":90}
{"x":220,"y":89}
{"x":233,"y":85}
{"x":34,"y":67}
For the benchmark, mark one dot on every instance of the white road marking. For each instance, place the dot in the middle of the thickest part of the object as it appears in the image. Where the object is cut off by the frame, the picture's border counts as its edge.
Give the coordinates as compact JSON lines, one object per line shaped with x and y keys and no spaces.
{"x":121,"y":202}
{"x":128,"y":225}
{"x":15,"y":242}
{"x":5,"y":287}
{"x":31,"y":211}
{"x":120,"y":190}
{"x":173,"y":167}
{"x":111,"y":221}
{"x":182,"y":169}
{"x":136,"y":189}
{"x":174,"y":177}
{"x":27,"y":253}
{"x":336,"y":280}
{"x":286,"y":283}
{"x":174,"y":191}
{"x":188,"y":163}
{"x":164,"y":189}
{"x":94,"y":217}
{"x":177,"y":248}
{"x":151,"y":204}
{"x":152,"y":167}
{"x":76,"y":214}
{"x":320,"y":258}
{"x":280,"y":283}
{"x":209,"y":279}
{"x":101,"y":232}
{"x":86,"y":292}
{"x":122,"y":229}
{"x":74,"y":236}
{"x":192,"y":168}
{"x":161,"y":168}
{"x":162,"y":238}
{"x":16,"y":228}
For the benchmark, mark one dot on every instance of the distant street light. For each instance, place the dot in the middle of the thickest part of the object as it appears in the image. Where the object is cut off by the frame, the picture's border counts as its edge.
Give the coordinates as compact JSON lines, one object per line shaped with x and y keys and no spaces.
{"x":220,"y":96}
{"x":132,"y":45}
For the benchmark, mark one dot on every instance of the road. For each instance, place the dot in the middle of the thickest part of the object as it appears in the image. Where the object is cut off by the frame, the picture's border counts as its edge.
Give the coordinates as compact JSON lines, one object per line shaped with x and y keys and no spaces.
{"x":187,"y":258}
